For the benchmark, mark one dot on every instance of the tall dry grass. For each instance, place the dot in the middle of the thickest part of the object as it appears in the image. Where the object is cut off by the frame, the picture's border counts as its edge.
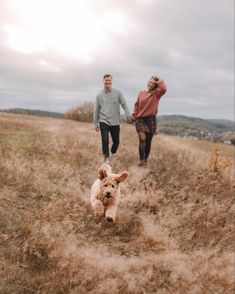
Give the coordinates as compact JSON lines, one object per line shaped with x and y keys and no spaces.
{"x":174,"y":231}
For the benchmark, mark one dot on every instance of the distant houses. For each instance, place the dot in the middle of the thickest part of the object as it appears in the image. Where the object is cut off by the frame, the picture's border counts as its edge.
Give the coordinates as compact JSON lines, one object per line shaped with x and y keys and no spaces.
{"x":191,"y":138}
{"x":228,"y":142}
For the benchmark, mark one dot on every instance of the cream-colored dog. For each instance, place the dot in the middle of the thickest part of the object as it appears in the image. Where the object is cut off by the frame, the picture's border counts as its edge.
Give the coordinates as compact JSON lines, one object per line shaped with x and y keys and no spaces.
{"x":105,"y":192}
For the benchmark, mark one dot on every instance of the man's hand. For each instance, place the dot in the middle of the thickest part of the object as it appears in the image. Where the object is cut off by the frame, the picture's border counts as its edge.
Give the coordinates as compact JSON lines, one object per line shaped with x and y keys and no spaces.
{"x":97,"y":129}
{"x":130,"y":120}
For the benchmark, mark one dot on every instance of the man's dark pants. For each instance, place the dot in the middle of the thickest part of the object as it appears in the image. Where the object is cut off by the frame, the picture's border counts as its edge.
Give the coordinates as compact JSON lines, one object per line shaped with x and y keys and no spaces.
{"x":114,"y":132}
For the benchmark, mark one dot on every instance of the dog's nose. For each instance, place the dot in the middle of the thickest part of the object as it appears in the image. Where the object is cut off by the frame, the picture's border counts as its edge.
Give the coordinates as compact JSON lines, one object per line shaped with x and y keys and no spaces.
{"x":108,"y":194}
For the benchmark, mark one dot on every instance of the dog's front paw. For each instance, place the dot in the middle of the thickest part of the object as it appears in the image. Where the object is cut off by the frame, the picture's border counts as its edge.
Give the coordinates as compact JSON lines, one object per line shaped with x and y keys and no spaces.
{"x":110,"y":215}
{"x":109,"y":219}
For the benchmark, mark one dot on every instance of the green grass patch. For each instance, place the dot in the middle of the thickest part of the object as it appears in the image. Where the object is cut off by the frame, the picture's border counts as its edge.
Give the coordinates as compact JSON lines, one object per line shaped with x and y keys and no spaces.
{"x":24,"y":138}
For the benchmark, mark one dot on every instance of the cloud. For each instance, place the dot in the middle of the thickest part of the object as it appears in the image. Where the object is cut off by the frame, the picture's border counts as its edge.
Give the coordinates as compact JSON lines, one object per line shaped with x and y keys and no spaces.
{"x":190,"y":44}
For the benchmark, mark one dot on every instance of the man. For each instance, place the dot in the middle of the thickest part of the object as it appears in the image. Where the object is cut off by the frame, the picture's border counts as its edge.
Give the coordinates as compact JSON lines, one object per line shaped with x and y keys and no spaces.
{"x":107,"y":115}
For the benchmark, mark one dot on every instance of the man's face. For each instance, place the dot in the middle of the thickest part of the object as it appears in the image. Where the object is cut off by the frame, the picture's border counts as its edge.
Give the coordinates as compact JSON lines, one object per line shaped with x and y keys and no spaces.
{"x":107,"y":83}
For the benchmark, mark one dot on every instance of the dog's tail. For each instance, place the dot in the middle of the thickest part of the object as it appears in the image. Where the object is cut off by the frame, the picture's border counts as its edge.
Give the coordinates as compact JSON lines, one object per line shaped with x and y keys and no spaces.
{"x":104,"y":171}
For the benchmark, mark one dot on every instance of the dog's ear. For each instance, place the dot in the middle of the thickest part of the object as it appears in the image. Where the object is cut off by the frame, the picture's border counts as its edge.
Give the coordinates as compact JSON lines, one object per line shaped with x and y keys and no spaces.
{"x":104,"y":171}
{"x":102,"y":174}
{"x":121,"y":177}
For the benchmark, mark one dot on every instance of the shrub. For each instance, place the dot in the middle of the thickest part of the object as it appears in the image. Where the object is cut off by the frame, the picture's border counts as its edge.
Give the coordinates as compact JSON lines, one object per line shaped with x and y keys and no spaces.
{"x":217,"y":163}
{"x":83,"y":112}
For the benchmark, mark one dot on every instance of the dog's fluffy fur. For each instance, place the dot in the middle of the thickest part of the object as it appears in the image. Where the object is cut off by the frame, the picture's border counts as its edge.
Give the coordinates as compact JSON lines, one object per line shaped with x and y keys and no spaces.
{"x":105,"y":193}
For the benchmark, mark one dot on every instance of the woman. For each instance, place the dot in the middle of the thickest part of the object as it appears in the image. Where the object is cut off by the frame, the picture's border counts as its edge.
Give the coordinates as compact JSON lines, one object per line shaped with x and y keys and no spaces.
{"x":144,"y":115}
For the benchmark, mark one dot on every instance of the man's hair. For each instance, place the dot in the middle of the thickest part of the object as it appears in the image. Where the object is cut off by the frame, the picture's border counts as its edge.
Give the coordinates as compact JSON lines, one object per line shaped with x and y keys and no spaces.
{"x":107,"y":76}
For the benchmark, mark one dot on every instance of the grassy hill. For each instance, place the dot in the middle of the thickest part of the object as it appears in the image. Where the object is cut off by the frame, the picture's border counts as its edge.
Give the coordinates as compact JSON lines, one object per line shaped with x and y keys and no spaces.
{"x":175,"y":225}
{"x":210,"y":129}
{"x":177,"y":125}
{"x":208,"y":123}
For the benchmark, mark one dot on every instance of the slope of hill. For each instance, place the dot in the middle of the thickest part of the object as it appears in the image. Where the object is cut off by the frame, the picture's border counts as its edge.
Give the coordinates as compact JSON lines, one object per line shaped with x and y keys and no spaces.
{"x":36,"y":112}
{"x":174,"y":231}
{"x":214,"y":130}
{"x":222,"y":123}
{"x":208,"y":123}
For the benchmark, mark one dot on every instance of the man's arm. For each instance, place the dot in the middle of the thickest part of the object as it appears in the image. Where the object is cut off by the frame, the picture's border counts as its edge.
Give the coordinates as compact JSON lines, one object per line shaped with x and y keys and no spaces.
{"x":136,"y":106}
{"x":96,"y":113}
{"x":124,"y":106}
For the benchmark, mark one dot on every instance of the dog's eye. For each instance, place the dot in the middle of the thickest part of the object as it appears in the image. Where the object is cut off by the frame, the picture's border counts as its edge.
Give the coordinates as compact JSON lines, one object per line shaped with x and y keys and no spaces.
{"x":106,"y":185}
{"x":112,"y":186}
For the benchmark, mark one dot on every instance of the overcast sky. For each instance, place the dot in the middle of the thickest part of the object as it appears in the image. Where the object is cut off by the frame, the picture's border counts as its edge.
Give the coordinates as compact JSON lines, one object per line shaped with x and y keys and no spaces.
{"x":54,"y":53}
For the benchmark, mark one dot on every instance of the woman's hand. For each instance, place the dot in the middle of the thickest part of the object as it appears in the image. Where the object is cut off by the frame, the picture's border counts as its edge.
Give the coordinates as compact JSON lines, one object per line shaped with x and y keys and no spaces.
{"x":157,"y":80}
{"x":130,"y":119}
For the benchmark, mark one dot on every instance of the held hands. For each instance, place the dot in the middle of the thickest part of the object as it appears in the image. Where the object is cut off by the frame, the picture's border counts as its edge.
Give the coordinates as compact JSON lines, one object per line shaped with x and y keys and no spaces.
{"x":130,"y":120}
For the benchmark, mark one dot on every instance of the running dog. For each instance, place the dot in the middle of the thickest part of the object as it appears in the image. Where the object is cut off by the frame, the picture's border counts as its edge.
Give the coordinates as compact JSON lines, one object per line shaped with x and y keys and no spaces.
{"x":105,"y":193}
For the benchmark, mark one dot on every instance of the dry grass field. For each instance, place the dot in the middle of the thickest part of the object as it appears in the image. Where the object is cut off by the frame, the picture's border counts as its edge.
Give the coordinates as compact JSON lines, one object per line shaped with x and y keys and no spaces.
{"x":175,"y":225}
